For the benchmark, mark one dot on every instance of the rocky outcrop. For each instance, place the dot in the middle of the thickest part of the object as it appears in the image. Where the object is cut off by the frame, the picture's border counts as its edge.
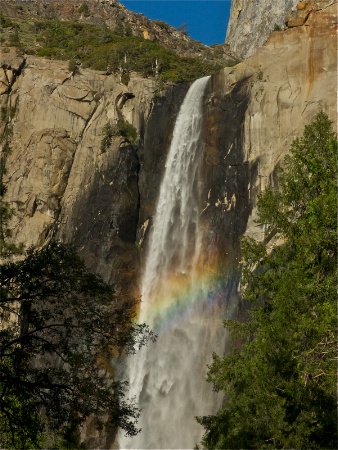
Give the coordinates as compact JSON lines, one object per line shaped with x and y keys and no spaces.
{"x":298,"y":16}
{"x":61,"y":181}
{"x":286,"y":82}
{"x":251,"y":22}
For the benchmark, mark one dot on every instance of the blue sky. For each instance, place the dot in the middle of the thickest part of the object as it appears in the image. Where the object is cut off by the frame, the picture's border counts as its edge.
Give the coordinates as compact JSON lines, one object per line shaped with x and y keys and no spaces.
{"x":206,"y":20}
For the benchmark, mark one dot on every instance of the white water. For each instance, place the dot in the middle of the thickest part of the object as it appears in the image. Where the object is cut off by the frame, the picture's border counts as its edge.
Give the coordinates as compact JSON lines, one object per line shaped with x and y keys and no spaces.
{"x":168,"y":377}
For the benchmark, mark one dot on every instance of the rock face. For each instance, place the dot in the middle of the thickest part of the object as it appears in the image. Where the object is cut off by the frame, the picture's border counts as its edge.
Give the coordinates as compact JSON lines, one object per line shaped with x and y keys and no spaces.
{"x":298,"y":16}
{"x":61,"y":182}
{"x":252,"y":21}
{"x":286,"y":82}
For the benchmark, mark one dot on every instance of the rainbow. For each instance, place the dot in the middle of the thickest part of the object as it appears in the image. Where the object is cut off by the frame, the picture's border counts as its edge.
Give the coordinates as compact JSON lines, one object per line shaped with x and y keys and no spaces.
{"x":181,"y":299}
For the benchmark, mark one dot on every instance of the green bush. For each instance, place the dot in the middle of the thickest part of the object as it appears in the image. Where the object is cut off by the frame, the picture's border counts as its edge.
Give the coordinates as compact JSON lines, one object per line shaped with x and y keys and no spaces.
{"x":107,"y":136}
{"x":14,"y":39}
{"x":4,"y":113}
{"x":162,"y":24}
{"x":5,"y":22}
{"x":12,"y":112}
{"x":72,"y":66}
{"x":99,"y":48}
{"x":84,"y":9}
{"x":125,"y":78}
{"x":126,"y":130}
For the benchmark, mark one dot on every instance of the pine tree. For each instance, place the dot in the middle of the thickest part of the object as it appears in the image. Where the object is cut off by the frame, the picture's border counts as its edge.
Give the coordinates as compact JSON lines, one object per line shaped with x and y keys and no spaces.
{"x":60,"y":326}
{"x":280,"y":380}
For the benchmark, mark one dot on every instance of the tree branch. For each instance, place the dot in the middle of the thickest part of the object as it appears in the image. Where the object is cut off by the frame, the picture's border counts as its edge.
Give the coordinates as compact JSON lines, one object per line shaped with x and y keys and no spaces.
{"x":24,"y":336}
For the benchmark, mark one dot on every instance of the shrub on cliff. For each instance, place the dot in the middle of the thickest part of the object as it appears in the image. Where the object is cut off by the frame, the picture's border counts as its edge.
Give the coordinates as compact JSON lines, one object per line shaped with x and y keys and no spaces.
{"x":84,"y":9}
{"x":60,"y":325}
{"x":100,"y":48}
{"x":127,"y":130}
{"x":280,"y":385}
{"x":107,"y":136}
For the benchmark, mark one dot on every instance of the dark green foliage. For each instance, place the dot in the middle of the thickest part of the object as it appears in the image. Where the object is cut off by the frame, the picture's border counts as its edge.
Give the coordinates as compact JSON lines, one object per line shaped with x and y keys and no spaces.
{"x":277,"y":27}
{"x":84,"y":9}
{"x":125,"y":78}
{"x":14,"y":38}
{"x":72,"y":65}
{"x":280,"y":386}
{"x":105,"y":36}
{"x":101,"y":48}
{"x":4,"y":113}
{"x":61,"y":324}
{"x":126,"y":130}
{"x":107,"y":136}
{"x":12,"y":111}
{"x":5,"y":22}
{"x":119,"y":28}
{"x":162,"y":24}
{"x":6,"y":212}
{"x":128,"y":31}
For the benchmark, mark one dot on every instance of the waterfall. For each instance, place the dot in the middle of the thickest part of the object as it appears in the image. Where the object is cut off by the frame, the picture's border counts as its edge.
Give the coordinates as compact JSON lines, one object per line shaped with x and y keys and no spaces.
{"x":168,"y":377}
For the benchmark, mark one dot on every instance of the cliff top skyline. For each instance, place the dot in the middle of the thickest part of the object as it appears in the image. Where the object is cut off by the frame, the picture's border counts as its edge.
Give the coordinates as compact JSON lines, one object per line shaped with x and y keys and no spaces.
{"x":206,"y":21}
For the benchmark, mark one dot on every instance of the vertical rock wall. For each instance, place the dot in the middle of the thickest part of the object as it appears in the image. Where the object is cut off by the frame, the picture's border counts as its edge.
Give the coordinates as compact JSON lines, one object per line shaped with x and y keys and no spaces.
{"x":287,"y":82}
{"x":251,"y":22}
{"x":60,"y":181}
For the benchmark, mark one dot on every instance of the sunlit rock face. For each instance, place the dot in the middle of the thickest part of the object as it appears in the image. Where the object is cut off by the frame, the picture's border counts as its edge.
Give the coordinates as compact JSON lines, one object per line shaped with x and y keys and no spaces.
{"x":288,"y":81}
{"x":251,"y":22}
{"x":61,"y":182}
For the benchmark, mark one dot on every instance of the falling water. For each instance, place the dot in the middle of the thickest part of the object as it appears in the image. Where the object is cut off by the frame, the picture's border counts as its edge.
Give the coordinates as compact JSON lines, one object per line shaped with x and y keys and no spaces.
{"x":168,"y":377}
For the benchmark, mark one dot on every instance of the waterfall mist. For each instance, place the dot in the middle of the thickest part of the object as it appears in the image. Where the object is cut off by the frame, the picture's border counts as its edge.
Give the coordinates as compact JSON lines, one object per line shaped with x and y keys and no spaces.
{"x":168,"y":378}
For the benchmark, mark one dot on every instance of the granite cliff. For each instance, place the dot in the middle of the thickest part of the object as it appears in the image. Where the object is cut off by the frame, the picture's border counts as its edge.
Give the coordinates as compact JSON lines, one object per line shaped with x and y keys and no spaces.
{"x":251,"y":22}
{"x":279,"y":90}
{"x":63,"y":183}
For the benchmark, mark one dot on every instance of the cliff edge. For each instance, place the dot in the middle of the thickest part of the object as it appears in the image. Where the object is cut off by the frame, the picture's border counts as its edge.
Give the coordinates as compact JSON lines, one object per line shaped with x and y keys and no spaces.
{"x":252,"y":21}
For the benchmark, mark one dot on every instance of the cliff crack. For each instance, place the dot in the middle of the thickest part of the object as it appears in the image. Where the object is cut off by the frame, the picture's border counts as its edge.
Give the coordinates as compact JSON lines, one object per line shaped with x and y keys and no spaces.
{"x":16,"y":73}
{"x":91,"y":114}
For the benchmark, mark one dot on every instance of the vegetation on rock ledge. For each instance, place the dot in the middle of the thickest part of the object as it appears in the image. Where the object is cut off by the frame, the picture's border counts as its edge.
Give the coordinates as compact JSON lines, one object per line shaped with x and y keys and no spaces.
{"x":102,"y":49}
